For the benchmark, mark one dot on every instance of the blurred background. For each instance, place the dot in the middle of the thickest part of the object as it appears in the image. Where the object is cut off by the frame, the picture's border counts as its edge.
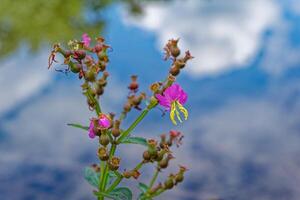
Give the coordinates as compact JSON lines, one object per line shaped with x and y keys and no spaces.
{"x":242,"y":139}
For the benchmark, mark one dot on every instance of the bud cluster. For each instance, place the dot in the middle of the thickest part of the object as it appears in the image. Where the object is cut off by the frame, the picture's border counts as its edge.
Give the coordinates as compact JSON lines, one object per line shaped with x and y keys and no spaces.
{"x":172,"y":51}
{"x":133,"y":100}
{"x":88,"y":62}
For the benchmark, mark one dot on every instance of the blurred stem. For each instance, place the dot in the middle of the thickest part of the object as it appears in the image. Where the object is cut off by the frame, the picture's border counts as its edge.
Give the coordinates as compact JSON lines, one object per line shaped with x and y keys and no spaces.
{"x":101,"y":177}
{"x":133,"y":125}
{"x":136,"y":122}
{"x":97,"y":105}
{"x":153,"y":178}
{"x":105,"y":171}
{"x":115,"y":183}
{"x":139,"y":165}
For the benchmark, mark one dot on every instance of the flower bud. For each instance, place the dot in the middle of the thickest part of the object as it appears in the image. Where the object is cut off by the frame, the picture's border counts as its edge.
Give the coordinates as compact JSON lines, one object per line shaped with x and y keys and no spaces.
{"x":104,"y":121}
{"x":162,"y":141}
{"x":99,"y":89}
{"x":102,"y":154}
{"x":90,"y":75}
{"x":116,"y":128}
{"x":165,"y":162}
{"x":169,"y":183}
{"x":135,"y":174}
{"x":155,"y":87}
{"x":179,"y":178}
{"x":133,"y":86}
{"x":146,"y":155}
{"x":160,"y":155}
{"x":174,"y":71}
{"x":179,"y":63}
{"x":187,"y":56}
{"x":127,"y":174}
{"x":104,"y":139}
{"x":114,"y":163}
{"x":152,"y":148}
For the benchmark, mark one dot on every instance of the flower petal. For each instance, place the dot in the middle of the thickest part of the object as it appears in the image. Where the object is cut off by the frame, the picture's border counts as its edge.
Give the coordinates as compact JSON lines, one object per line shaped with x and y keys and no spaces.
{"x":182,"y":97}
{"x":172,"y":92}
{"x":165,"y":102}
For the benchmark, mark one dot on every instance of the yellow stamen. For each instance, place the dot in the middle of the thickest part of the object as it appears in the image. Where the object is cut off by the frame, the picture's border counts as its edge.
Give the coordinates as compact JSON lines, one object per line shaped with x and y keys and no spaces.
{"x":175,"y":106}
{"x":183,"y":110}
{"x":172,"y":113}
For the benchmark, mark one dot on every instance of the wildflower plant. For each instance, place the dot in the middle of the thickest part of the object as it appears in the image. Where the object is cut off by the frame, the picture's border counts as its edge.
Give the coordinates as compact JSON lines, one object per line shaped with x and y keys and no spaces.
{"x":90,"y":62}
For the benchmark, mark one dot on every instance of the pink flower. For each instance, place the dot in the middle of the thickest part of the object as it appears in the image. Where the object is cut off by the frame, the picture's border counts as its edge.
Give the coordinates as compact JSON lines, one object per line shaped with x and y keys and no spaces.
{"x":104,"y":121}
{"x":86,"y":40}
{"x":92,"y":133}
{"x":173,"y":99}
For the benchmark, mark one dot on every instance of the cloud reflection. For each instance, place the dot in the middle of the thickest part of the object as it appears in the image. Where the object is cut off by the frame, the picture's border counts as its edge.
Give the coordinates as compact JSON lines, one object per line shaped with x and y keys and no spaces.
{"x":222,"y":35}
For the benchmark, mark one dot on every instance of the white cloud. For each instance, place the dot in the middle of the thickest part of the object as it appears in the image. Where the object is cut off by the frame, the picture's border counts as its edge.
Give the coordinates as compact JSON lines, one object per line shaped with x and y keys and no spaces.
{"x":281,"y":53}
{"x":221,"y":34}
{"x":22,"y":76}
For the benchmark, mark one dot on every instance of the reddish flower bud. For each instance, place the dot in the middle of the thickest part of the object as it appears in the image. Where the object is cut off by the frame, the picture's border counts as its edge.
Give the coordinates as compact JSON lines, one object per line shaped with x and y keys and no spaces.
{"x":133,"y":85}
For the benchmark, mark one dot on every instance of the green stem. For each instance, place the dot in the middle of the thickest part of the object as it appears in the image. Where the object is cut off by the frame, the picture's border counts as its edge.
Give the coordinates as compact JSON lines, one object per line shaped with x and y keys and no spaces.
{"x":139,"y":165}
{"x":97,"y":105}
{"x":153,"y":178}
{"x":115,"y":183}
{"x":105,"y":171}
{"x":101,"y":177}
{"x":133,"y":125}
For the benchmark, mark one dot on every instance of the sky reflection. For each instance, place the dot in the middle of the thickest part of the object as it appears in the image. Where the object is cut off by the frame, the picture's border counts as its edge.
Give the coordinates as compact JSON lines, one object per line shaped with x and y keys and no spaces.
{"x":242,"y":138}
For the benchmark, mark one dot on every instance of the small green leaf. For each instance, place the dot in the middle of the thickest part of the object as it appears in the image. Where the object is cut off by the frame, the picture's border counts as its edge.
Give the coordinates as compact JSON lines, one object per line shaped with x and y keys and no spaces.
{"x":135,"y":140}
{"x":79,"y":126}
{"x":121,"y":193}
{"x":143,"y":187}
{"x":91,"y":176}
